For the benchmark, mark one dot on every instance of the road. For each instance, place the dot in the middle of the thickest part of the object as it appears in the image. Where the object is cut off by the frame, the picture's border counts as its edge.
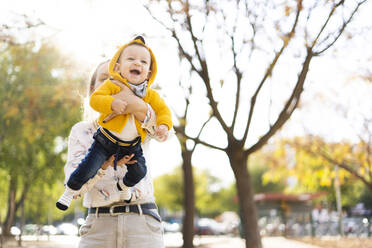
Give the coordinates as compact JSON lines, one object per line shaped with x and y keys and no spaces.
{"x":171,"y":240}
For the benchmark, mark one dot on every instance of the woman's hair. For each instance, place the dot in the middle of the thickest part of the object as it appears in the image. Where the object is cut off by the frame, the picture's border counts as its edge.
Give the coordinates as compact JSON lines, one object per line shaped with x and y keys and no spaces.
{"x":93,"y":79}
{"x":88,"y":113}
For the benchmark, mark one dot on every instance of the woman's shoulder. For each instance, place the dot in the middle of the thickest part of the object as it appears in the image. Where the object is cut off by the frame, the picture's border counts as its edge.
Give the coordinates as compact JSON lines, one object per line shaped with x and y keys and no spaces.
{"x":83,"y":127}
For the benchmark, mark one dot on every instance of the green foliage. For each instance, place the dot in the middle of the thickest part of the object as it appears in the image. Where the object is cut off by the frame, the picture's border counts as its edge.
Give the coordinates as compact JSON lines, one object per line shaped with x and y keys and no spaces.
{"x":258,"y":166}
{"x":226,"y":200}
{"x":37,"y":110}
{"x":169,"y":190}
{"x":40,"y":204}
{"x":311,"y":162}
{"x":365,"y":197}
{"x":210,"y":198}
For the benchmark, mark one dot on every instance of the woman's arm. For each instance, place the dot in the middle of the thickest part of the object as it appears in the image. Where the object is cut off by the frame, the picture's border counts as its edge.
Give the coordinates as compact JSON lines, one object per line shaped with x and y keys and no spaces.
{"x":79,"y":142}
{"x":141,"y":110}
{"x":78,"y":145}
{"x":135,"y":105}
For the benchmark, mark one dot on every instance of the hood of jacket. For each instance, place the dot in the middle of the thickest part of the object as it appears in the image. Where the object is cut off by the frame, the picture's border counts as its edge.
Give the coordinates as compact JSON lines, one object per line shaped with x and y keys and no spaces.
{"x":116,"y":75}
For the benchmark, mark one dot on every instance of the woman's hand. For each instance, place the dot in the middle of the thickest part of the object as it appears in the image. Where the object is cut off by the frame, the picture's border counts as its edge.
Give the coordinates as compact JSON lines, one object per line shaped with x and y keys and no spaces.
{"x":110,"y":162}
{"x":125,"y":160}
{"x":134,"y":104}
{"x":119,"y":106}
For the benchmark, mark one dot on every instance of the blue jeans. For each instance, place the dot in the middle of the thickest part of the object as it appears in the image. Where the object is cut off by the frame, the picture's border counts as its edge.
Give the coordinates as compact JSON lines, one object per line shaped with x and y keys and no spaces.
{"x":101,"y":150}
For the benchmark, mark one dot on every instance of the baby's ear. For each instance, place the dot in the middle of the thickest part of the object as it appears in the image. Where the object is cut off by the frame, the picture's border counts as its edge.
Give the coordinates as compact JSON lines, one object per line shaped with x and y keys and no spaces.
{"x":149,"y":75}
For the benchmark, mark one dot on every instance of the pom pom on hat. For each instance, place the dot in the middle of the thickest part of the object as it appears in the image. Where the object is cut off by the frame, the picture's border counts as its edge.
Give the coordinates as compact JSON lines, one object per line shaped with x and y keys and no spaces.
{"x":139,"y":37}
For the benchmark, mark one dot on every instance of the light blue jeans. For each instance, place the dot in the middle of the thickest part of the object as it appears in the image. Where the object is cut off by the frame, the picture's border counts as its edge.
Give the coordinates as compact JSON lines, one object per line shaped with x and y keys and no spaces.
{"x":127,"y":230}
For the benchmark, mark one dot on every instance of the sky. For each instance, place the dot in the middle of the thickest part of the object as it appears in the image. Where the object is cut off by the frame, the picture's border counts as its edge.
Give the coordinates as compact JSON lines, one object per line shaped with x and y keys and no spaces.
{"x":90,"y":30}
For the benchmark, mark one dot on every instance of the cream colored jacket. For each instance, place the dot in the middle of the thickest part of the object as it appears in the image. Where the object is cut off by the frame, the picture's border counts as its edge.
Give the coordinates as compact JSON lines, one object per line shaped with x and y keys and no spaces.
{"x":101,"y":190}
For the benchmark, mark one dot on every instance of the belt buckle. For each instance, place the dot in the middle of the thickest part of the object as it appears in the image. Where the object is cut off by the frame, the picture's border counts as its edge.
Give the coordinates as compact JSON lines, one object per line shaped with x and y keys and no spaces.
{"x":112,"y":210}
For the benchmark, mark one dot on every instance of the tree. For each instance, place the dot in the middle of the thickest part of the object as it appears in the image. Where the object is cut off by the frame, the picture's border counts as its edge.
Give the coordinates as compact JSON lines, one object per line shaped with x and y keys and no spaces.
{"x":354,"y":159}
{"x":259,"y":166}
{"x":187,"y":149}
{"x":240,"y":37}
{"x":299,"y":159}
{"x":188,"y":181}
{"x":9,"y":32}
{"x":37,"y":111}
{"x":169,"y":189}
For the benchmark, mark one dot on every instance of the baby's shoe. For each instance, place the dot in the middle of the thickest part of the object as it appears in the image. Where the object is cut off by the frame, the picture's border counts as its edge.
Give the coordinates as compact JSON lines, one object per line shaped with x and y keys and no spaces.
{"x":125,"y":191}
{"x":135,"y":194}
{"x":65,"y":200}
{"x":130,"y":195}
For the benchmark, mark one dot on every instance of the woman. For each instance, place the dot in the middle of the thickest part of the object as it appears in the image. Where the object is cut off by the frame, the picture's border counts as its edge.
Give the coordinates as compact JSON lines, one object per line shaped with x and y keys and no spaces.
{"x":110,"y":221}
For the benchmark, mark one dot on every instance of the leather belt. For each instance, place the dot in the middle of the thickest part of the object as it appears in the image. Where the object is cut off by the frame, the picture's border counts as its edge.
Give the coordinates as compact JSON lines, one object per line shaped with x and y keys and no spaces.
{"x":115,"y":210}
{"x":116,"y":141}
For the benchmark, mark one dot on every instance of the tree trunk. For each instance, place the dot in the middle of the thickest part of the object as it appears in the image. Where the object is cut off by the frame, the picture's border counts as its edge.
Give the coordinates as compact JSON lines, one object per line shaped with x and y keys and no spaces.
{"x":9,"y":218}
{"x":189,"y":200}
{"x":248,"y":212}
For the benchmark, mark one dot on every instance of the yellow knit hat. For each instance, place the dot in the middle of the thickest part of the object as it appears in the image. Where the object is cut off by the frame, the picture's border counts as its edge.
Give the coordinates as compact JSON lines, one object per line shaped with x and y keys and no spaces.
{"x":116,"y":75}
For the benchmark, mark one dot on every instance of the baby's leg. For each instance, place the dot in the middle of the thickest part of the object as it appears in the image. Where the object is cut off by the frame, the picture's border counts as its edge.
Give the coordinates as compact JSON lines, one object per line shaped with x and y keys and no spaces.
{"x":135,"y":172}
{"x":138,"y":170}
{"x":89,"y":166}
{"x":87,"y":169}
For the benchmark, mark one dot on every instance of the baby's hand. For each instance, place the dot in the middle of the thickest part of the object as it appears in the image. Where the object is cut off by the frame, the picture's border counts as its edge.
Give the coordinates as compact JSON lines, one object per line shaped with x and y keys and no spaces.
{"x":161,"y":132}
{"x":118,"y":106}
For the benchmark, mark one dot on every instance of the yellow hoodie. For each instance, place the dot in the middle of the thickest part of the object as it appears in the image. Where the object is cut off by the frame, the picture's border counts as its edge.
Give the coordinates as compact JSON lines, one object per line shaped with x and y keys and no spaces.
{"x":102,"y":98}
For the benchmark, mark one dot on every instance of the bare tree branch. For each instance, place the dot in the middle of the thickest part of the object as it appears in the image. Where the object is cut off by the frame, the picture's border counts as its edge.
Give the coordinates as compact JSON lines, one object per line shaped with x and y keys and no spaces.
{"x":343,"y":165}
{"x":182,"y":128}
{"x":270,"y":69}
{"x":204,"y":74}
{"x":288,"y":108}
{"x":336,"y":5}
{"x":186,"y":55}
{"x":197,"y":140}
{"x":253,"y":25}
{"x":238,"y":73}
{"x":340,"y":31}
{"x":157,"y":19}
{"x":27,"y":24}
{"x":207,"y":12}
{"x":195,"y":41}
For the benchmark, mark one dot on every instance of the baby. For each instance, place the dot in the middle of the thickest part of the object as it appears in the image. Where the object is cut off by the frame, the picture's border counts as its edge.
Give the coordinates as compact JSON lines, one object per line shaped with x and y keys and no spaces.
{"x":133,"y":65}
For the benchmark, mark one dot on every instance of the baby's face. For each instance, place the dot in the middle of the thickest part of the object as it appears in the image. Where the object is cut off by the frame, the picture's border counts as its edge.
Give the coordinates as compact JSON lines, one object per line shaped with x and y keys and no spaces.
{"x":134,"y":64}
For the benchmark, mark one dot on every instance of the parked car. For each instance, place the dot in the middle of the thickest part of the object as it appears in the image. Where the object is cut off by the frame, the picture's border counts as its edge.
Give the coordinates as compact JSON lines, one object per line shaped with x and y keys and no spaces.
{"x":207,"y":226}
{"x":171,"y":227}
{"x":67,"y":229}
{"x":15,"y":230}
{"x":48,"y":230}
{"x":30,"y":229}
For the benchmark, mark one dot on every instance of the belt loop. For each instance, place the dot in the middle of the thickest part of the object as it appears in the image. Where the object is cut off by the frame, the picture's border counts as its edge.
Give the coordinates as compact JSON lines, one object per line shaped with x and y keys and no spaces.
{"x":139,"y":209}
{"x":126,"y":208}
{"x":97,"y":212}
{"x":116,"y":155}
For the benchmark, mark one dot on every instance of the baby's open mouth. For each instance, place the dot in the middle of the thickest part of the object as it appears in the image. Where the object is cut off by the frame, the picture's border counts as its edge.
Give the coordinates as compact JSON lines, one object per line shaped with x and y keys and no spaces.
{"x":136,"y":72}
